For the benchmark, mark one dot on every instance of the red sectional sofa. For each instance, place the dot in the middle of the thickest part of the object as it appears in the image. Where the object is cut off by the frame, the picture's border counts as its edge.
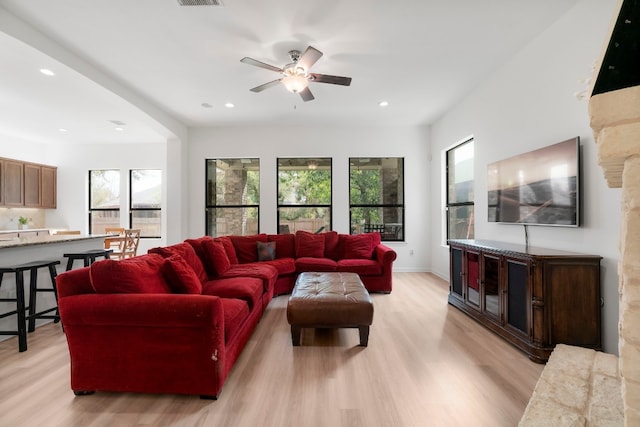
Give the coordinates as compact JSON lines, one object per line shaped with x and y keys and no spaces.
{"x":176,"y":319}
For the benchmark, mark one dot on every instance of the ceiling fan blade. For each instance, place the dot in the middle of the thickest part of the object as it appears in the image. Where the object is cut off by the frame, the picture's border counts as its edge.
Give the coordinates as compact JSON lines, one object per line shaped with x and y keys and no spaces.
{"x":309,"y":57}
{"x":265,"y":86}
{"x":257,"y":63}
{"x":334,"y":80}
{"x":306,"y":94}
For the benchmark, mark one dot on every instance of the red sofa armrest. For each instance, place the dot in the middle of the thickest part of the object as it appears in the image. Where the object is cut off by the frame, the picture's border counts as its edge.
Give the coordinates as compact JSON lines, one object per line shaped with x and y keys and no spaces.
{"x":74,"y":282}
{"x":145,"y":343}
{"x":384,"y":255}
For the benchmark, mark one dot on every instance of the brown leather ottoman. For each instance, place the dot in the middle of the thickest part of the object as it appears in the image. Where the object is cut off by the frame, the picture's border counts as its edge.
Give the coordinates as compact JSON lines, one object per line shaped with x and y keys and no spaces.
{"x":329,"y":300}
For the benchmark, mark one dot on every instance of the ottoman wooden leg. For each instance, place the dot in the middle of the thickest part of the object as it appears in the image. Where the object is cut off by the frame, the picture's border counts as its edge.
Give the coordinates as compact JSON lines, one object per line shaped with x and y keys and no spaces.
{"x":295,"y":335}
{"x":364,"y":335}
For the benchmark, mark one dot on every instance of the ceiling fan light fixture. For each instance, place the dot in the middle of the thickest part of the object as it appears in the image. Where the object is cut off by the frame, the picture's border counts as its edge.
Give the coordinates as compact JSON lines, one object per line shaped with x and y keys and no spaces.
{"x":295,"y":83}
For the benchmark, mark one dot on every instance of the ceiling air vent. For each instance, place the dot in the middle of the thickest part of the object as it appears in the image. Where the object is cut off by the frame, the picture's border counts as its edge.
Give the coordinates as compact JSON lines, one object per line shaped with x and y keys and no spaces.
{"x":200,"y":2}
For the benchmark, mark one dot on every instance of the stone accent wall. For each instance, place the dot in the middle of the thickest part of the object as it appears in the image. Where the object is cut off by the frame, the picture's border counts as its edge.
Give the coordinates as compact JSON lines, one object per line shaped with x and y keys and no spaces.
{"x":615,"y":120}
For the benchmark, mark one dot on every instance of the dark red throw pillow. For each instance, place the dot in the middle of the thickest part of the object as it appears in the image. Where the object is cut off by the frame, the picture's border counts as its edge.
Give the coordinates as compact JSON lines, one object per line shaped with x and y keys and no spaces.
{"x":140,"y":274}
{"x":358,"y":246}
{"x":309,"y":244}
{"x":216,"y":257}
{"x":181,"y":277}
{"x":188,"y":253}
{"x":266,"y":251}
{"x":228,"y":246}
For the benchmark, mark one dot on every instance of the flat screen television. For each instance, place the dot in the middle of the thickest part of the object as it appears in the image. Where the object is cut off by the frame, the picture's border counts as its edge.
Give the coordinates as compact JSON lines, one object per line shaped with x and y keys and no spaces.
{"x":541,"y":187}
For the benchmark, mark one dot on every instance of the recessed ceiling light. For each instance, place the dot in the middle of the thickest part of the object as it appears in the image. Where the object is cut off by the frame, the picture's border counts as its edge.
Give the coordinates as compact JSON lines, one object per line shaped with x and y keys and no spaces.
{"x":206,"y":105}
{"x":47,"y":72}
{"x":119,"y":129}
{"x":229,"y":105}
{"x":383,"y":103}
{"x":62,"y":130}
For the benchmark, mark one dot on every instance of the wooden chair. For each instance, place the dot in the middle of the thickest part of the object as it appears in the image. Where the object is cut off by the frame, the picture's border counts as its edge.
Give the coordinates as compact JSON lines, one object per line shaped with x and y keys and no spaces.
{"x":114,"y":230}
{"x":115,"y":240}
{"x":128,"y":247}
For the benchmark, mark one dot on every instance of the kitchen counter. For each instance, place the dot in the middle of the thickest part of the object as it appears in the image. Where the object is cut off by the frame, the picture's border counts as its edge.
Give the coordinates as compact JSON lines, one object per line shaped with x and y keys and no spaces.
{"x":25,"y":230}
{"x":20,"y":250}
{"x":45,"y":239}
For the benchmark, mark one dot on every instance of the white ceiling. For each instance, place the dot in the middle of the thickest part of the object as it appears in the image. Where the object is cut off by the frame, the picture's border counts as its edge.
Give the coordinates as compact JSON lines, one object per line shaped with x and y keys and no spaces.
{"x":419,"y":55}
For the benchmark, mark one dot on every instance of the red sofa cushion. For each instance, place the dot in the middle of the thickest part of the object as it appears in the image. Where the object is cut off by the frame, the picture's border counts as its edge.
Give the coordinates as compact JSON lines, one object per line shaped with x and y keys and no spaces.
{"x":248,"y":289}
{"x":246,"y":248}
{"x":359,"y":246}
{"x":235,"y":313}
{"x":197,"y":245}
{"x":140,"y":274}
{"x":332,"y":247}
{"x":180,"y":276}
{"x":283,"y":265}
{"x":228,"y":247}
{"x":364,"y":267}
{"x":315,"y":264}
{"x":216,"y":258}
{"x":186,"y":251}
{"x":261,"y":270}
{"x":309,"y":244}
{"x":285,"y":245}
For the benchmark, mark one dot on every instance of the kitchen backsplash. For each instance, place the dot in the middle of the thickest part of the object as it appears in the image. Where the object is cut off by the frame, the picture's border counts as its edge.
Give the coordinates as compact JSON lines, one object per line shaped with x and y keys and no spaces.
{"x":9,"y":218}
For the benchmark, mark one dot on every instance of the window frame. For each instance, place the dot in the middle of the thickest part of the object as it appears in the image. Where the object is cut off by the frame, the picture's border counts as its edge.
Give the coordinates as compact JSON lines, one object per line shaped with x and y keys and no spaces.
{"x":132,"y":209}
{"x":92,"y":209}
{"x":329,"y":207}
{"x":214,"y":198}
{"x":448,"y":203}
{"x":384,"y":236}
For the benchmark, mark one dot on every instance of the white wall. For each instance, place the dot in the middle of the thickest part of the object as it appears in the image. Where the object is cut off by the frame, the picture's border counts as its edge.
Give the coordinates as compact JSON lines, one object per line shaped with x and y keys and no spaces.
{"x":74,"y":162}
{"x":339,"y":143}
{"x":20,"y":149}
{"x":526,"y":104}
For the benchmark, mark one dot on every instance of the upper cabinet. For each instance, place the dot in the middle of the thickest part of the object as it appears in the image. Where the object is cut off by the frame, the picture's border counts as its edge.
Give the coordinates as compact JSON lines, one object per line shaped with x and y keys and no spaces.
{"x":48,"y":187}
{"x":27,"y":184}
{"x":13,"y":183}
{"x":31,"y":185}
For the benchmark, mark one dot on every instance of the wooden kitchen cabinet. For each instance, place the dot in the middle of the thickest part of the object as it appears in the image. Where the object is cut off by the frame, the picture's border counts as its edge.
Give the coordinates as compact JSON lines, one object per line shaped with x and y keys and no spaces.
{"x":533,"y":298}
{"x":48,"y":187}
{"x":27,"y":184}
{"x":32,"y":185}
{"x":13,"y":182}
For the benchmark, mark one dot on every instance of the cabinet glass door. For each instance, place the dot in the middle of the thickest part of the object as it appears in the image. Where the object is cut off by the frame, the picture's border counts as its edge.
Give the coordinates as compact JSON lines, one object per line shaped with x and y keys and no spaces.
{"x":517,"y":283}
{"x":473,"y":278}
{"x":456,"y":272}
{"x":491,"y":276}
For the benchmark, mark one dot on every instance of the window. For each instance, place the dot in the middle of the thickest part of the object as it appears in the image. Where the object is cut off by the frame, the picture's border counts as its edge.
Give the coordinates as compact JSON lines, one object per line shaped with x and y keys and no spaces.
{"x":376,"y":196}
{"x":232,"y":197}
{"x":304,"y":195}
{"x":104,"y":200}
{"x":460,"y":203}
{"x":145,"y":197}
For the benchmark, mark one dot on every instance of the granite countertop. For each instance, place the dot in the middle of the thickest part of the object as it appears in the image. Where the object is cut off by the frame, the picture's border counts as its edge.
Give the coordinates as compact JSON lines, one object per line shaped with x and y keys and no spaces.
{"x":14,"y":242}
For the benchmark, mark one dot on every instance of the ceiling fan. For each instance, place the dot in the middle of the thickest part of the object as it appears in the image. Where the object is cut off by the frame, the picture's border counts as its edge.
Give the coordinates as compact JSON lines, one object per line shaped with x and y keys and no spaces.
{"x":296,"y":75}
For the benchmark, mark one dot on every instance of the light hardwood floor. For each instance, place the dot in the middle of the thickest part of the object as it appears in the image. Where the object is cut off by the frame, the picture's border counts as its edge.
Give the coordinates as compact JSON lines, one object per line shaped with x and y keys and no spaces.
{"x":427,"y":364}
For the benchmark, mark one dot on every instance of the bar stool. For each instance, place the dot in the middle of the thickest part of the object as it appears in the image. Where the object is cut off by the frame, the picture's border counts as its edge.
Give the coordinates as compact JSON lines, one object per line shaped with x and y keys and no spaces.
{"x":87,"y":257}
{"x":21,"y":307}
